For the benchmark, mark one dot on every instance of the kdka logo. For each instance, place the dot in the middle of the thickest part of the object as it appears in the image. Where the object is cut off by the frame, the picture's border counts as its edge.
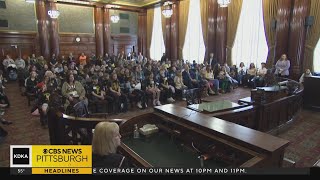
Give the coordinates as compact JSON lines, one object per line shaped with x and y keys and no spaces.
{"x":20,"y":155}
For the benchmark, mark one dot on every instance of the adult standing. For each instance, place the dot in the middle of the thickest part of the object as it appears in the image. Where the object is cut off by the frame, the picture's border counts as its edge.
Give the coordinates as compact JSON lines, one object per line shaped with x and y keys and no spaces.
{"x":282,"y":66}
{"x":212,"y":61}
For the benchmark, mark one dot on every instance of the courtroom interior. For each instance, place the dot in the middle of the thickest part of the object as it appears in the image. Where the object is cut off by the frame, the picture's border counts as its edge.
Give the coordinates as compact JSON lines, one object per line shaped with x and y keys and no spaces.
{"x":169,"y":83}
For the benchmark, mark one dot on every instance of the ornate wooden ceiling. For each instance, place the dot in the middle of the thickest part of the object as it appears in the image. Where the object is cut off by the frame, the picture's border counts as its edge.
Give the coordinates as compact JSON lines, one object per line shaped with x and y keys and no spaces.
{"x":135,"y":3}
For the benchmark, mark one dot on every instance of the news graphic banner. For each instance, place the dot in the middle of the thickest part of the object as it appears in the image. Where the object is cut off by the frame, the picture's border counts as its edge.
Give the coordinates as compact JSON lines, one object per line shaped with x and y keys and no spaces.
{"x":50,"y":159}
{"x":77,"y":159}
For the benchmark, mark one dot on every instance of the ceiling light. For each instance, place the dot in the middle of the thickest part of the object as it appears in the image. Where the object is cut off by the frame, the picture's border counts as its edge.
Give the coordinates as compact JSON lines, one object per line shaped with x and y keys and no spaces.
{"x":167,"y":9}
{"x":54,"y":14}
{"x":224,"y":3}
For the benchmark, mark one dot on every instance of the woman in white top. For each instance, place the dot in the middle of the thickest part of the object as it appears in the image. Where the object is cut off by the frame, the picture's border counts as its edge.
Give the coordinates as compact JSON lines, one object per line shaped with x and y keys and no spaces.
{"x":242,"y":70}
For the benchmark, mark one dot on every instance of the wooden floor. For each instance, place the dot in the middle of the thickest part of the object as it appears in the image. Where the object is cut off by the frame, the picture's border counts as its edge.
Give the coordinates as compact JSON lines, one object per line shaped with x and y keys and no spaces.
{"x":304,"y":135}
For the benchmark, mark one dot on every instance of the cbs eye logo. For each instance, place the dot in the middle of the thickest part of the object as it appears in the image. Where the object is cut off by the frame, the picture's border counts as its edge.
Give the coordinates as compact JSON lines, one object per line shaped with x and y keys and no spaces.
{"x":20,"y":156}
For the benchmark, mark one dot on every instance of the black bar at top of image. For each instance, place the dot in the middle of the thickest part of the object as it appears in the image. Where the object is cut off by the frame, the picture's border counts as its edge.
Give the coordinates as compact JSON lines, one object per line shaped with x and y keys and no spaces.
{"x":21,"y":171}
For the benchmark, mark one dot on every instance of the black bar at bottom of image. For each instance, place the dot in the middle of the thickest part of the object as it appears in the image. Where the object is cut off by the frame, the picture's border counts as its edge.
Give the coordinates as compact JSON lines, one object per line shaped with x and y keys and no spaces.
{"x":20,"y":171}
{"x":278,"y":171}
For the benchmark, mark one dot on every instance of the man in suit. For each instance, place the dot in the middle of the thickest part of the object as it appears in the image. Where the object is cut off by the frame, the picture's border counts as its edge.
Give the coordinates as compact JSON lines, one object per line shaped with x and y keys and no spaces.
{"x":163,"y":58}
{"x":212,"y":61}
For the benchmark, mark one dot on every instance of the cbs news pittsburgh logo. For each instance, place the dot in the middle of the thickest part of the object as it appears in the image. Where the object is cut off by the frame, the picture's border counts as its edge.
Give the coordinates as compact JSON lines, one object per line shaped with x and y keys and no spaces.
{"x":51,"y":159}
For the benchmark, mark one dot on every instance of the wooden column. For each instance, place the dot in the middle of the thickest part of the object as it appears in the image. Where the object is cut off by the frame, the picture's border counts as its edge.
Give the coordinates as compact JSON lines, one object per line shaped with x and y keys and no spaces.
{"x":174,"y":30}
{"x":54,"y":31}
{"x":221,"y":34}
{"x":282,"y":28}
{"x":43,"y":30}
{"x":212,"y":24}
{"x":98,"y":19}
{"x":142,"y":32}
{"x":106,"y":30}
{"x":297,"y":36}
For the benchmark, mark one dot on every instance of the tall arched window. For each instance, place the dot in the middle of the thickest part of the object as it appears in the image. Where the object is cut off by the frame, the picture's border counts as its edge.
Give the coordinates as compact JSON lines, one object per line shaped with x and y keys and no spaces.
{"x":250,"y":44}
{"x":194,"y":48}
{"x":157,"y":43}
{"x":316,"y":58}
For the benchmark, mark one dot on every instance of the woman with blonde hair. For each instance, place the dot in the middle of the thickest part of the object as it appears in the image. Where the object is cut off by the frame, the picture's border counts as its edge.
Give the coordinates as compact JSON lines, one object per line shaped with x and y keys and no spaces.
{"x":106,"y":139}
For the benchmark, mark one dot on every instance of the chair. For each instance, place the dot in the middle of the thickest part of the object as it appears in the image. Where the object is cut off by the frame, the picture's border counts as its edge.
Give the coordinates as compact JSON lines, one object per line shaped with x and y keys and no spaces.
{"x":193,"y":96}
{"x":30,"y":97}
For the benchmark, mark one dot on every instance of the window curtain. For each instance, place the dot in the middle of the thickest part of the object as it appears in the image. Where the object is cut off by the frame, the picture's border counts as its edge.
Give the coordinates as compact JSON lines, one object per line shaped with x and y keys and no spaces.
{"x":204,"y":22}
{"x":163,"y":20}
{"x":157,"y":47}
{"x":194,"y":48}
{"x":150,"y":15}
{"x":270,"y":10}
{"x":250,"y":44}
{"x":312,"y":47}
{"x":183,"y":22}
{"x":234,"y":10}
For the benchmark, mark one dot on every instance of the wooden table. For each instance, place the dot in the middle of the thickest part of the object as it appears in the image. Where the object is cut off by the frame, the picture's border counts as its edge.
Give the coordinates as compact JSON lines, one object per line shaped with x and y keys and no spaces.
{"x":212,"y":107}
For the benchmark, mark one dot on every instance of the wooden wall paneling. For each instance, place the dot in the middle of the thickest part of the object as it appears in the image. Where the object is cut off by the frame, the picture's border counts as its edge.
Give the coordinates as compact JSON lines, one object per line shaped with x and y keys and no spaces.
{"x":212,"y":24}
{"x":98,"y":21}
{"x":282,"y":28}
{"x":124,"y":43}
{"x":221,"y":35}
{"x":68,"y":44}
{"x":106,"y":30}
{"x":43,"y":30}
{"x":54,"y":31}
{"x":297,"y":36}
{"x":174,"y":30}
{"x":17,"y":44}
{"x":142,"y":31}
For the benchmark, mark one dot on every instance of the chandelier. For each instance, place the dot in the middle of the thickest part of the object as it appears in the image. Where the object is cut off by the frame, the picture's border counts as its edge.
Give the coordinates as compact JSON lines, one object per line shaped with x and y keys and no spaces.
{"x":167,"y":10}
{"x":224,"y":3}
{"x":54,"y":14}
{"x":114,"y":18}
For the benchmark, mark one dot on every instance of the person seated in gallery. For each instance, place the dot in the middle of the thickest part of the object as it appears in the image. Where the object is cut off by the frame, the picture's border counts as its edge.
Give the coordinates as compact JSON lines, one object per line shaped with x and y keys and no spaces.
{"x":73,"y":91}
{"x":242,"y":71}
{"x":224,"y":80}
{"x":43,"y":102}
{"x":106,"y":140}
{"x":259,"y":79}
{"x":307,"y":73}
{"x":120,"y":99}
{"x":251,"y":74}
{"x":187,"y":78}
{"x":178,"y":84}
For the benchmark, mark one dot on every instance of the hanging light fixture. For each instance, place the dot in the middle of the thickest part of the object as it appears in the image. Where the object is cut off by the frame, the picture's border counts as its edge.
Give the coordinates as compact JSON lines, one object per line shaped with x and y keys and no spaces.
{"x":224,"y":3}
{"x":167,"y":9}
{"x":54,"y":14}
{"x":115,"y":18}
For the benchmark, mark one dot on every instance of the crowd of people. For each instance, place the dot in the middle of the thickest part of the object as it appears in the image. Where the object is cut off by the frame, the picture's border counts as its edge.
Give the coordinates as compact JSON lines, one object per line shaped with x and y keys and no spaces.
{"x":115,"y":81}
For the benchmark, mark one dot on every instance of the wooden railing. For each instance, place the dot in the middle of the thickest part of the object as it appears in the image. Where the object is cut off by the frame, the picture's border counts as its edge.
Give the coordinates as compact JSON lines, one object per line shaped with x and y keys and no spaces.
{"x":271,"y":114}
{"x":66,"y":129}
